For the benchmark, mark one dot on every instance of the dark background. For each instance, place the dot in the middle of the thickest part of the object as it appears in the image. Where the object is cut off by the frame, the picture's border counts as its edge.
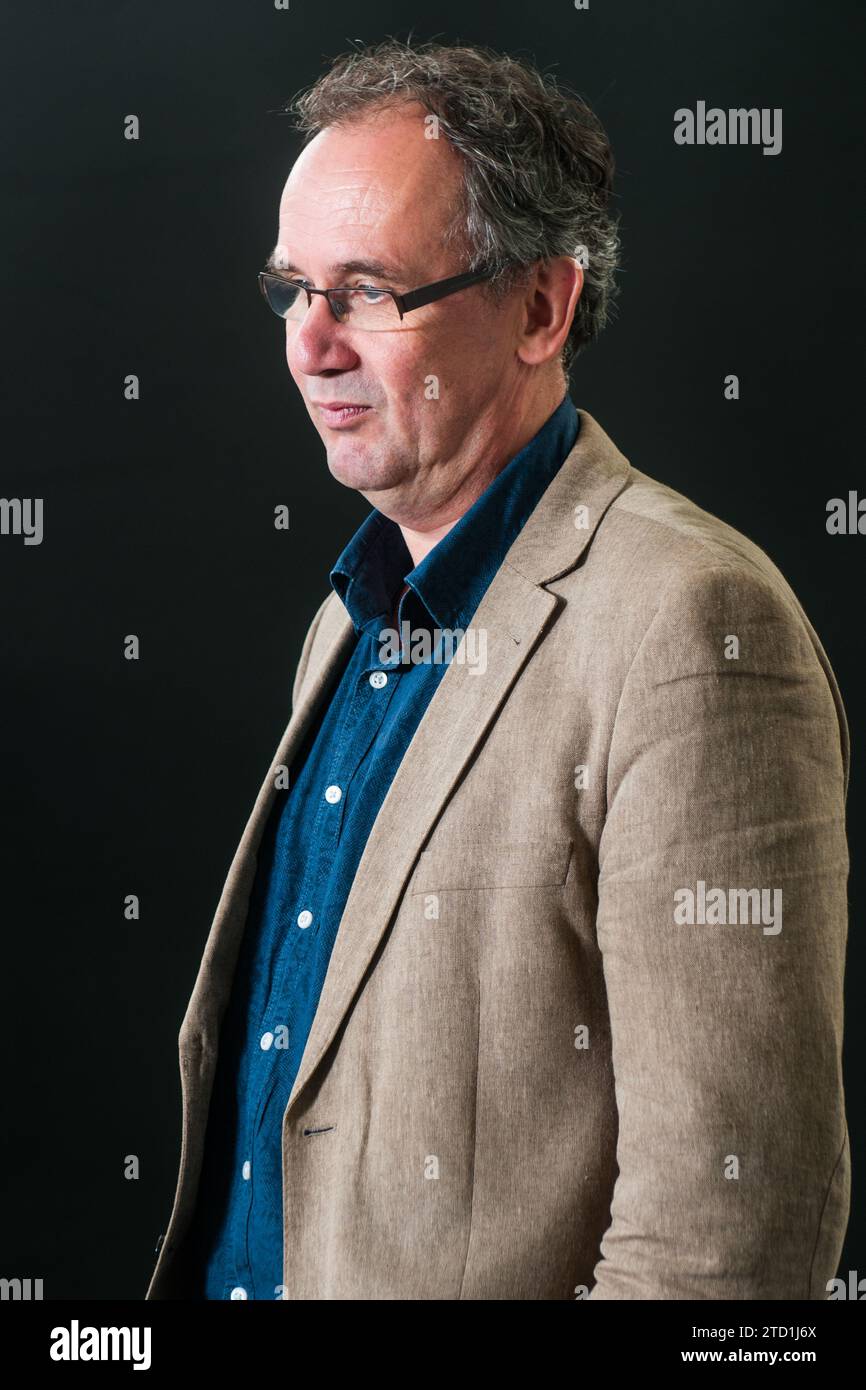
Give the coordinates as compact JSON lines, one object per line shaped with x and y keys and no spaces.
{"x":140,"y":257}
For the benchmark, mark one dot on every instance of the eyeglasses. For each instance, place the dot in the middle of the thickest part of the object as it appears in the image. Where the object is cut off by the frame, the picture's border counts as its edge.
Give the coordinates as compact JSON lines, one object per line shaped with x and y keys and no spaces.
{"x":362,"y":306}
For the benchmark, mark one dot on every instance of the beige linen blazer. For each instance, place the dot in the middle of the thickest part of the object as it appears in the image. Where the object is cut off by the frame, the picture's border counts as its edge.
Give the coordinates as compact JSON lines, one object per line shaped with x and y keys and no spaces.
{"x":529,"y":1077}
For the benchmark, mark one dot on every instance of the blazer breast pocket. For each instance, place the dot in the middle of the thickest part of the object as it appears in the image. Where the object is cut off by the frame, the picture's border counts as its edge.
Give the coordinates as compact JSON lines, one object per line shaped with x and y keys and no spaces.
{"x":488,"y":864}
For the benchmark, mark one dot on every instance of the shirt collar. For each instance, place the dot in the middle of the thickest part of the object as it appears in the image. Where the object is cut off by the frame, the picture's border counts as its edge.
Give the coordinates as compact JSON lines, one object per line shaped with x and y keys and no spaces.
{"x":453,"y":577}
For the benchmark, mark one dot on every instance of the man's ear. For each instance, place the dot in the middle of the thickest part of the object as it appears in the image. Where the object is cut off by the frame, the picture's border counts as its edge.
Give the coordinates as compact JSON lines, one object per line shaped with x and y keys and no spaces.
{"x":549,"y":305}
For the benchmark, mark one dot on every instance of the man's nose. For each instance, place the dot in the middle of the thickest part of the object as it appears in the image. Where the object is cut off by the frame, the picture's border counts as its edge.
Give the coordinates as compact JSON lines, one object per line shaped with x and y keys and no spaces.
{"x":319,"y":342}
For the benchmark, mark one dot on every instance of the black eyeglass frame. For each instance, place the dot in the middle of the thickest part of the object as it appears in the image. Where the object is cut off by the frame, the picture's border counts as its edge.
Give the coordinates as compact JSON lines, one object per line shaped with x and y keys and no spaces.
{"x":412,"y":299}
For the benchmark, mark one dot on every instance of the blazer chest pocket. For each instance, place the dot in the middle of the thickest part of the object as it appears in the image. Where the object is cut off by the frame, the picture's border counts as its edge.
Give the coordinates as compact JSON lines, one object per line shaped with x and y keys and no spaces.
{"x":485,"y":864}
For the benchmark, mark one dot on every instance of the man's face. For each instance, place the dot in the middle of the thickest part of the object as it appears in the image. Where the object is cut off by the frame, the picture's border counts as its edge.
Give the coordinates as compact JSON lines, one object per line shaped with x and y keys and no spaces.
{"x":378,"y":190}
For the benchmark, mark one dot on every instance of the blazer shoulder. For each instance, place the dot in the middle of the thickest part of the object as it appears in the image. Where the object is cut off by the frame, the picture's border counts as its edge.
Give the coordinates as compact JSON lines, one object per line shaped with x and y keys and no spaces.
{"x":669,"y":540}
{"x":679,"y":570}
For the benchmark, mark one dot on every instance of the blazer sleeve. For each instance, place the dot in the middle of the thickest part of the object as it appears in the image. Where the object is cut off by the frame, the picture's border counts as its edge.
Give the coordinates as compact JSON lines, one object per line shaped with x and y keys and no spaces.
{"x":727,"y":768}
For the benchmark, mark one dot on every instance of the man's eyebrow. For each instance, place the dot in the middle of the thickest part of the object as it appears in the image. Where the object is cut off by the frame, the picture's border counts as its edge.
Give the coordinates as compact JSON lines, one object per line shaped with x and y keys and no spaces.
{"x":383,"y":270}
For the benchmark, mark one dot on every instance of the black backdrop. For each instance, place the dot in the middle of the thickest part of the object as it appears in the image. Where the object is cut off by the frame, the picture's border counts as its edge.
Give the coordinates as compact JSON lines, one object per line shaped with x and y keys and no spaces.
{"x":140,"y":257}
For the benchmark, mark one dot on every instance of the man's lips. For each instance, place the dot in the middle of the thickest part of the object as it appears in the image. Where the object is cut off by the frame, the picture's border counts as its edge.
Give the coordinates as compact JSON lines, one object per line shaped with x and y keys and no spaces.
{"x":340,"y":413}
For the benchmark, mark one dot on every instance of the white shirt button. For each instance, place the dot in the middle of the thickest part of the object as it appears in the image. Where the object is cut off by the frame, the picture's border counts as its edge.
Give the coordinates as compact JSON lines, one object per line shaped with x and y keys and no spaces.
{"x":265,"y":1041}
{"x":378,"y":679}
{"x":333,"y":794}
{"x":238,"y":1292}
{"x":305,"y":918}
{"x":246,"y":1169}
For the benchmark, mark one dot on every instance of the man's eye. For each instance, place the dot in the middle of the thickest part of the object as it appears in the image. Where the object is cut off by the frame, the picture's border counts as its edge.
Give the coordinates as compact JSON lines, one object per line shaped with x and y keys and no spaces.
{"x":372,"y":295}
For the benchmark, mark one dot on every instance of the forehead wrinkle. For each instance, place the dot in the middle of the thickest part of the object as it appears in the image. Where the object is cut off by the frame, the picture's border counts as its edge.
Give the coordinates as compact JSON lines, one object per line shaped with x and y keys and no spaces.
{"x":281,"y":259}
{"x":353,"y":239}
{"x":359,"y":198}
{"x":353,"y":207}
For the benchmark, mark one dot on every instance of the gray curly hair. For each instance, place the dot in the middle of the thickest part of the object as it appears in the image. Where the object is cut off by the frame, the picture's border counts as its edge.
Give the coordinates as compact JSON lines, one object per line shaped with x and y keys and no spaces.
{"x":537,"y":165}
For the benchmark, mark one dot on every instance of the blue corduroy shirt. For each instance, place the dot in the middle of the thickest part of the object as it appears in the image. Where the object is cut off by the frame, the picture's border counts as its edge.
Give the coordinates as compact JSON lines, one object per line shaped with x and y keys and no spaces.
{"x":312,"y":846}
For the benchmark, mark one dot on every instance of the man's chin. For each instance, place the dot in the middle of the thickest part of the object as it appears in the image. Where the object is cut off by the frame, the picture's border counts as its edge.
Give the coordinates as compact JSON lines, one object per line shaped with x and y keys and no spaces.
{"x":351,"y":463}
{"x":366,"y":467}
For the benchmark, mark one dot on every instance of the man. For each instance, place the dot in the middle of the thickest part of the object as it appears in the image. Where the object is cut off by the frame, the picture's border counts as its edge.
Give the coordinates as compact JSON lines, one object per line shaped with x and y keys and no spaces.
{"x":529,"y":983}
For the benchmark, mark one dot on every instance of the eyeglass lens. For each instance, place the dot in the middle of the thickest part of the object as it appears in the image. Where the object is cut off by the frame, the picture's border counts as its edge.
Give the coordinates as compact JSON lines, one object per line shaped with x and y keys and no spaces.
{"x":366,"y":308}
